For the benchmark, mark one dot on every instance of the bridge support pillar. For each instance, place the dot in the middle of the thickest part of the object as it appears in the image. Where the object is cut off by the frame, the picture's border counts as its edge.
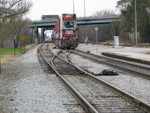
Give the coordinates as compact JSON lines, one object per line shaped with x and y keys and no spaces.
{"x":37,"y":38}
{"x":43,"y":36}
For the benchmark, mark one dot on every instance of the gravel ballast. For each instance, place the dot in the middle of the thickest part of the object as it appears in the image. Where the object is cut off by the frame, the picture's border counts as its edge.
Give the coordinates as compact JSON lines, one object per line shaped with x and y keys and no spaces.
{"x":134,"y":85}
{"x":25,"y":88}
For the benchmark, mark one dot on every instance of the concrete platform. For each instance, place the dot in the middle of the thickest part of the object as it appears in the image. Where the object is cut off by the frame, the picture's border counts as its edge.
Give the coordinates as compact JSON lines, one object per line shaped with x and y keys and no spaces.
{"x":134,"y":54}
{"x":134,"y":57}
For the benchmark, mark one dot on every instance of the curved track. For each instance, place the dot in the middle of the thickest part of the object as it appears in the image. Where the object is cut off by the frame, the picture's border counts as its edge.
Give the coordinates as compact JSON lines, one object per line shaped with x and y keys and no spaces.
{"x":94,"y":94}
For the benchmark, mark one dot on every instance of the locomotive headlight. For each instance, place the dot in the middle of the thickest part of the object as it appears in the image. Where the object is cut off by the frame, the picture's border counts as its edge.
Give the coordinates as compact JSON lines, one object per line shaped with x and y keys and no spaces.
{"x":69,"y":32}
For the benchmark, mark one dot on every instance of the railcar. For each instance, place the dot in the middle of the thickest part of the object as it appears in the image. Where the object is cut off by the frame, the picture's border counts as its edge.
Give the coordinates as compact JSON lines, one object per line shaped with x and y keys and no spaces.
{"x":65,"y":32}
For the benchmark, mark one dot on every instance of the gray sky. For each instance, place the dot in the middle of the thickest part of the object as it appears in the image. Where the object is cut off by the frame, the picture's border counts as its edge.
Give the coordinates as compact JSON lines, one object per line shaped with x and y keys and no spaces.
{"x":57,"y":7}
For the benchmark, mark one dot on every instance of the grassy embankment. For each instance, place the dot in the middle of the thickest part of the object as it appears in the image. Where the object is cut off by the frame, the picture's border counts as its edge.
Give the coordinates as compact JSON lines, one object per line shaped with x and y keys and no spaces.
{"x":7,"y":53}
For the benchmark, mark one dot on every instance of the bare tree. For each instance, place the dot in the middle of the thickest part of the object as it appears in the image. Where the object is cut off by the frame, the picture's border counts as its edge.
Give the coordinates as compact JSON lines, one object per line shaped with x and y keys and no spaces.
{"x":19,"y":27}
{"x":10,"y":8}
{"x":11,"y":14}
{"x":103,"y":13}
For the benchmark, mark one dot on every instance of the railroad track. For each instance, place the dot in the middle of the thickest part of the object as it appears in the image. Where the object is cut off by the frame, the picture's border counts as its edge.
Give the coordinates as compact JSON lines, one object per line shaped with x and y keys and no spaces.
{"x":93,"y":94}
{"x":128,"y":79}
{"x":47,"y":56}
{"x":131,"y":67}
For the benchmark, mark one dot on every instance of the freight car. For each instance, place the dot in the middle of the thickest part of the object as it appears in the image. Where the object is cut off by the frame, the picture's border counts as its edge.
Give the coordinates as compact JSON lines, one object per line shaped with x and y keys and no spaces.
{"x":65,"y":32}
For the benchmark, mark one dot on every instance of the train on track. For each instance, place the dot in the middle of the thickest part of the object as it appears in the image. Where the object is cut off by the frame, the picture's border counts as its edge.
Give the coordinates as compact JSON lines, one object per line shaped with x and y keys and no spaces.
{"x":65,"y":34}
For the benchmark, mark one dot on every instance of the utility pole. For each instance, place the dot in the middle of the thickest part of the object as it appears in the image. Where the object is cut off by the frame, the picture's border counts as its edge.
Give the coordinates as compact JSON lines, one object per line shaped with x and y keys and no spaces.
{"x":136,"y":40}
{"x":84,"y":10}
{"x":149,"y":13}
{"x":73,"y":7}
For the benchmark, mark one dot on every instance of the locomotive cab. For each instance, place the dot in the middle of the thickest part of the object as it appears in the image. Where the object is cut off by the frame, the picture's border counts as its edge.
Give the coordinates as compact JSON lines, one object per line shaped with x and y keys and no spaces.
{"x":66,"y":32}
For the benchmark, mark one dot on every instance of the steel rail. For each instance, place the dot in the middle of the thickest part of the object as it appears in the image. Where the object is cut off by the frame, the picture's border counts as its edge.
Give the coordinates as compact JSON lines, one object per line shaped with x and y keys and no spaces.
{"x":139,"y":103}
{"x":130,"y":98}
{"x":84,"y":103}
{"x":143,"y":69}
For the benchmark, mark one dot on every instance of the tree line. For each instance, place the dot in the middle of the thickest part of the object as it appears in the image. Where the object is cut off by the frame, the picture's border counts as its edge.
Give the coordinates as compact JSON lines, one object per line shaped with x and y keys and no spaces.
{"x":13,"y":24}
{"x":126,"y":27}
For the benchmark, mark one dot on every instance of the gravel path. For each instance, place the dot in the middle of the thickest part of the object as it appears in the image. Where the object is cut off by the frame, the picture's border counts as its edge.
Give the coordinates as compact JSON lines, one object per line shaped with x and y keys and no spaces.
{"x":25,"y":88}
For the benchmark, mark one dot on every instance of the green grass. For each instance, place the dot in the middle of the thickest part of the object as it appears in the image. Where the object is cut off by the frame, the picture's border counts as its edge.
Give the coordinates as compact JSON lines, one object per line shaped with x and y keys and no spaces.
{"x":9,"y":51}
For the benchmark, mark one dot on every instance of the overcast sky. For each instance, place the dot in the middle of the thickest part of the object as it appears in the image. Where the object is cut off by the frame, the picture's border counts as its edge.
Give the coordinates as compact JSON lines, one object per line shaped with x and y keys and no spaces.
{"x":57,"y":7}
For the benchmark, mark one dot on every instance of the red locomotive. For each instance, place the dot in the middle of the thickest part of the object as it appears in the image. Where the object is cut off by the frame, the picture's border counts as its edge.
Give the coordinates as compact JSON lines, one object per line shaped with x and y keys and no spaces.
{"x":65,"y":32}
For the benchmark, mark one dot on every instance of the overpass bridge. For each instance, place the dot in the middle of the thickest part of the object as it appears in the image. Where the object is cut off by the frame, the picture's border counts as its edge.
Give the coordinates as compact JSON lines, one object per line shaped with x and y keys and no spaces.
{"x":49,"y":23}
{"x":83,"y":21}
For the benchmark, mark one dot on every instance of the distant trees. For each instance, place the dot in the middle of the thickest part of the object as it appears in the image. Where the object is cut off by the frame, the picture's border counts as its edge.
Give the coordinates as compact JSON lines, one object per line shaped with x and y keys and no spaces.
{"x":105,"y":30}
{"x":126,"y":27}
{"x":18,"y":27}
{"x":127,"y":24}
{"x":12,"y":23}
{"x":103,"y":13}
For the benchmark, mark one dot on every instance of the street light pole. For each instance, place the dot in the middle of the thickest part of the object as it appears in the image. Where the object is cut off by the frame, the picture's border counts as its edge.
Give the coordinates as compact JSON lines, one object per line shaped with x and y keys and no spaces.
{"x":136,"y":40}
{"x":73,"y":7}
{"x":84,"y":10}
{"x":149,"y":12}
